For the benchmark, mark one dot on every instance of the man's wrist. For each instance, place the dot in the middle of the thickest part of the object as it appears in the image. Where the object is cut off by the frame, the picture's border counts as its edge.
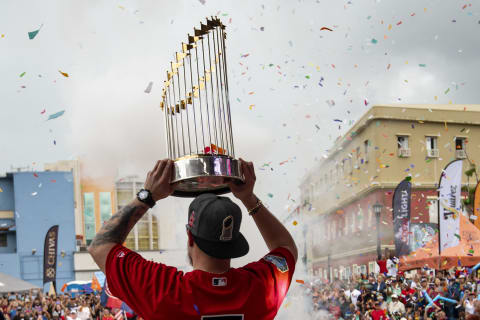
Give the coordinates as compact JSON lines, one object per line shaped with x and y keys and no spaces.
{"x":250,"y":201}
{"x":141,"y":204}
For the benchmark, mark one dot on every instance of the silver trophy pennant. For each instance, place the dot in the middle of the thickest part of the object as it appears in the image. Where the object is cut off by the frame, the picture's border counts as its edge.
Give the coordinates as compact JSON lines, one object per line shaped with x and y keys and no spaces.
{"x":198,"y":124}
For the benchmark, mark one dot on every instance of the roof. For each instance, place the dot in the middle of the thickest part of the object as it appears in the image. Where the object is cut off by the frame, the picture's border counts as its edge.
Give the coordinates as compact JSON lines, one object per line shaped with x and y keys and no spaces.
{"x":12,"y":284}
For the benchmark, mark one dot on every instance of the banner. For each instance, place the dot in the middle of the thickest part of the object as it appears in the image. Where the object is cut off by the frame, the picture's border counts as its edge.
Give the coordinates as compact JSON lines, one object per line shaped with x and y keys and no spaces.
{"x":50,"y":256}
{"x":449,"y":205}
{"x":421,"y":234}
{"x":476,"y":205}
{"x":401,"y":217}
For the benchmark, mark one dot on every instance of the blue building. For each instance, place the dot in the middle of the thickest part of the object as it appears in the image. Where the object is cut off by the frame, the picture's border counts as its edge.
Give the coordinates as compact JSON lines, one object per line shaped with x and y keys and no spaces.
{"x":30,"y":203}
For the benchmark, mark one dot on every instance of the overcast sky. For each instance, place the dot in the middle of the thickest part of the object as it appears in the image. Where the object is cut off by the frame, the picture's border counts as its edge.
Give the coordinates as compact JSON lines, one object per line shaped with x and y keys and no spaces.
{"x":387,"y":51}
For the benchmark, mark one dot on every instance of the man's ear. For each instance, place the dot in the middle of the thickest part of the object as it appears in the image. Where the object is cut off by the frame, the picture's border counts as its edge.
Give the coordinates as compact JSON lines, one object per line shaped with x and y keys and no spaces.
{"x":190,"y":238}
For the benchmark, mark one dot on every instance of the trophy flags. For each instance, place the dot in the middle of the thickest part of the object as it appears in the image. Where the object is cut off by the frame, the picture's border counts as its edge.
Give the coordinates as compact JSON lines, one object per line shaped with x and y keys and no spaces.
{"x":401,"y":218}
{"x":476,"y":205}
{"x":449,"y":205}
{"x":50,"y":256}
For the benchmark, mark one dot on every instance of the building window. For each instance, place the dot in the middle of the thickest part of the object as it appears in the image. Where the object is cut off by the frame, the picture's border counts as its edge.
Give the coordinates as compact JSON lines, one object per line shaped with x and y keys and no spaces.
{"x":105,"y":206}
{"x":402,"y":145}
{"x":353,"y":222}
{"x":144,"y":235}
{"x":363,"y":269}
{"x":357,"y":158}
{"x":460,"y":148}
{"x":360,"y":218}
{"x":371,"y":267}
{"x":432,"y":149}
{"x":3,"y":240}
{"x":346,"y":225}
{"x":433,"y":210}
{"x":370,"y":217}
{"x":365,"y":149}
{"x":89,"y":216}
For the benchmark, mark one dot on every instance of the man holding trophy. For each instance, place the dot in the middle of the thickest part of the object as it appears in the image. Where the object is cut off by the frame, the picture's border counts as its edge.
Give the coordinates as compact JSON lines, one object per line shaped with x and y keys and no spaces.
{"x":198,"y":132}
{"x":213,"y":290}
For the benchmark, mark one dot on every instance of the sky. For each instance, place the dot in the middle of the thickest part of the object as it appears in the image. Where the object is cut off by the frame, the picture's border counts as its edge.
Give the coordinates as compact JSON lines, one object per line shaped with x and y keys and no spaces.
{"x":302,"y":77}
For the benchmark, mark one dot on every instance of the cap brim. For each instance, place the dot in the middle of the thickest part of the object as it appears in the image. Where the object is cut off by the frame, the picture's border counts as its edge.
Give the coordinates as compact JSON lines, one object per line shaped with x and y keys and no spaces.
{"x":224,"y":249}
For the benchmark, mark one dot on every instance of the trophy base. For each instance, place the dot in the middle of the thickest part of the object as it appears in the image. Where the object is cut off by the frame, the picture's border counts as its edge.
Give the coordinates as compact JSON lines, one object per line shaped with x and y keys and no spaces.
{"x":204,"y":173}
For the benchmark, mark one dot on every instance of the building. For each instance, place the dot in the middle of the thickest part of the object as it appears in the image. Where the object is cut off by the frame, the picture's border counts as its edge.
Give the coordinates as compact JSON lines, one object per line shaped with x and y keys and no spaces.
{"x":31,"y":203}
{"x":144,"y":235}
{"x":387,"y":144}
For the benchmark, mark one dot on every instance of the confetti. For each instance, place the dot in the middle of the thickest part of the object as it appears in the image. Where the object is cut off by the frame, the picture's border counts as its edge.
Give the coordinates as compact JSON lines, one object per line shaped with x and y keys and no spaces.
{"x":251,"y":106}
{"x":245,"y":55}
{"x":202,"y":1}
{"x":22,"y":74}
{"x":53,"y":181}
{"x":294,"y":222}
{"x":422,"y":65}
{"x":325,"y":28}
{"x":196,"y":308}
{"x":63,"y":74}
{"x":1,"y":190}
{"x":34,"y":193}
{"x":35,"y":175}
{"x":56,"y":115}
{"x":399,"y":23}
{"x":33,"y":34}
{"x":43,"y":111}
{"x":374,"y":41}
{"x":300,"y":281}
{"x":149,"y":87}
{"x":270,"y":195}
{"x":447,"y":91}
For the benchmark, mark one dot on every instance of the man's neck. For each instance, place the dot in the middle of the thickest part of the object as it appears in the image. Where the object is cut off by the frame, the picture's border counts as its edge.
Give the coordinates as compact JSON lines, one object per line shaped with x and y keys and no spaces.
{"x":203,"y":262}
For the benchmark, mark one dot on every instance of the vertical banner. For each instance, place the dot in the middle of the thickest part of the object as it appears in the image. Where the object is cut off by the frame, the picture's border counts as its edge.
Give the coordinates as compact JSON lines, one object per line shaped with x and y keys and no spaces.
{"x":401,"y":217}
{"x":449,"y":205}
{"x":476,"y":205}
{"x":50,"y":256}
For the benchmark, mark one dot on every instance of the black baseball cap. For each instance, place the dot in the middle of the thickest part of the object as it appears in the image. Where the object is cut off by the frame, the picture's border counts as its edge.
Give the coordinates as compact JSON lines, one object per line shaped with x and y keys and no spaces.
{"x":214,"y":222}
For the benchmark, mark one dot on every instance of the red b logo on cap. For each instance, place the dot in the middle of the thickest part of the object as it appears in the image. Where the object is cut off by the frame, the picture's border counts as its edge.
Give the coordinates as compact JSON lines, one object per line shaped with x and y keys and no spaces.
{"x":192,"y":219}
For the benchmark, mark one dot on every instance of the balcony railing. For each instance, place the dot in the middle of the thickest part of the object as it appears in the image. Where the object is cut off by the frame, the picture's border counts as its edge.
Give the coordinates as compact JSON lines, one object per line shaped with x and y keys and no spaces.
{"x":460,"y":154}
{"x":404,"y":152}
{"x":433,"y":153}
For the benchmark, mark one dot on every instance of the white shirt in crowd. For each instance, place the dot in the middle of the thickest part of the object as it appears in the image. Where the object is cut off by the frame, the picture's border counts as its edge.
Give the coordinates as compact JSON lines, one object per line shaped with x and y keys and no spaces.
{"x":392,"y":267}
{"x":396,"y":306}
{"x":469,"y":308}
{"x":84,"y":313}
{"x":353,"y":295}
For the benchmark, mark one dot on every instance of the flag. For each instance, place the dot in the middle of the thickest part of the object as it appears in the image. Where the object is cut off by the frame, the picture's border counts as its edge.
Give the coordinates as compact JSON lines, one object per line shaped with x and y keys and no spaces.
{"x":50,"y":255}
{"x":476,"y":206}
{"x":449,"y":205}
{"x":401,"y":218}
{"x":95,"y":284}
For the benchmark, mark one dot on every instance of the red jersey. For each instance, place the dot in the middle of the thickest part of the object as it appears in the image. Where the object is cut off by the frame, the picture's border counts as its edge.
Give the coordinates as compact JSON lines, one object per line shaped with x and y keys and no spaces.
{"x":378,"y":315}
{"x":156,"y":291}
{"x":382,"y":264}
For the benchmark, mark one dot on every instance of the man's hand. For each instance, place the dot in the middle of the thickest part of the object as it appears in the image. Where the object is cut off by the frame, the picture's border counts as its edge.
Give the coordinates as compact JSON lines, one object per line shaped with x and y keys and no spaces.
{"x":244,"y":191}
{"x":158,"y":180}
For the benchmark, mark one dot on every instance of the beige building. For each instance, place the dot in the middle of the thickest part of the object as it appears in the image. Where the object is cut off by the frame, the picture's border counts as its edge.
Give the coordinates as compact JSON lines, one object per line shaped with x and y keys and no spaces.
{"x":388,"y":143}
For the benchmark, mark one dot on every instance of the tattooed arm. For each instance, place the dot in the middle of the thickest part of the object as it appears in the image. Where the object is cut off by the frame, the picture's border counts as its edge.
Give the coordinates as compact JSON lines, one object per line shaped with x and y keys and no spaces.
{"x":115,"y":230}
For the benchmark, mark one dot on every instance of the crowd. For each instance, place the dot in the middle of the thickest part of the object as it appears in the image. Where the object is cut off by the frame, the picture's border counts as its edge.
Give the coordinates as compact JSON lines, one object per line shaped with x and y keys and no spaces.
{"x":34,"y":305}
{"x":401,"y":296}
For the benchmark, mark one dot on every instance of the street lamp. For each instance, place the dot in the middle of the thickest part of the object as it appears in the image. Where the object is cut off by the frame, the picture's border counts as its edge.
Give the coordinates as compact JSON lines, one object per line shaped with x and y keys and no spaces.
{"x":377,"y":208}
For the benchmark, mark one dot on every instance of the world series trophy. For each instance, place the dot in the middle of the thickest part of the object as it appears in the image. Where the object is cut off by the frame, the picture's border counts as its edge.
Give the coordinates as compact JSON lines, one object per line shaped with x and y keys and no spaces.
{"x":198,"y":124}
